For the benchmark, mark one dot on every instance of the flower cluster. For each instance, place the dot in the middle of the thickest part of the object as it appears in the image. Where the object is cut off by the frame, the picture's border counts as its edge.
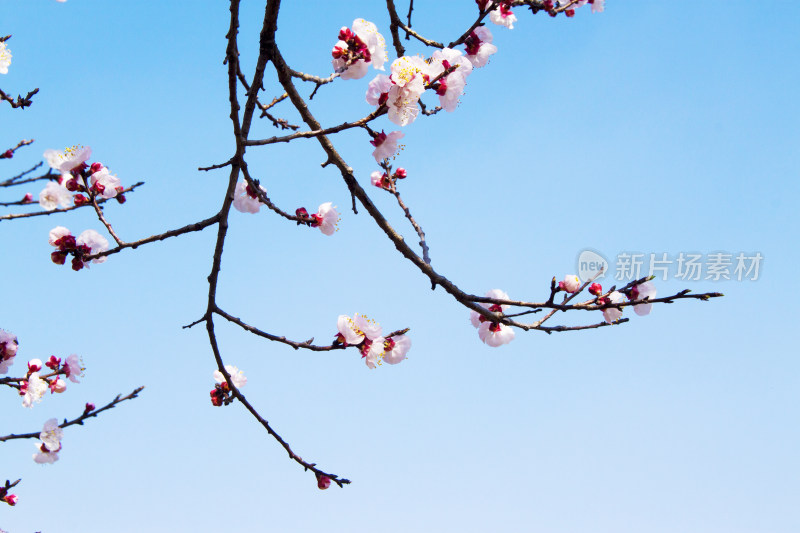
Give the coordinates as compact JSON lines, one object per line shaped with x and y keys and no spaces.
{"x":383,"y":181}
{"x":5,"y":58}
{"x":49,"y":443}
{"x":502,"y":15}
{"x":367,"y":336}
{"x":8,"y":350}
{"x":221,"y":394}
{"x":78,"y":177}
{"x":492,"y":332}
{"x":326,"y":218}
{"x":642,"y":291}
{"x":358,"y":48}
{"x":89,"y":242}
{"x":34,"y":385}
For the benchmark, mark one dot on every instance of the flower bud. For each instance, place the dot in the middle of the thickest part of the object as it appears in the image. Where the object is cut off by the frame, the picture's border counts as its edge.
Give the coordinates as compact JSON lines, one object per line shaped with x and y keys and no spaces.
{"x":28,"y":198}
{"x":58,"y":386}
{"x":34,"y":365}
{"x":596,"y":289}
{"x":323,"y":482}
{"x":89,"y":408}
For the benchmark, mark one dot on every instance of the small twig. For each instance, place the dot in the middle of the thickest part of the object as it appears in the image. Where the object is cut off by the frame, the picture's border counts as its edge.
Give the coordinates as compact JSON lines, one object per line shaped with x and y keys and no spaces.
{"x":21,"y":102}
{"x":62,"y":209}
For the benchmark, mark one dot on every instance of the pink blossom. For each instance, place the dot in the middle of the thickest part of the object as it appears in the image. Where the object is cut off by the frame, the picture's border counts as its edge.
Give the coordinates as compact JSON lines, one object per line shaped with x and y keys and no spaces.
{"x":406,"y":68}
{"x":378,"y":90}
{"x":357,"y":49}
{"x":323,"y":482}
{"x":73,"y":368}
{"x":402,"y":101}
{"x":571,"y":283}
{"x":104,"y":183}
{"x":385,"y":145}
{"x":245,"y":198}
{"x":44,"y":455}
{"x":8,"y":350}
{"x":95,"y":242}
{"x":396,"y":348}
{"x":640,"y":292}
{"x":612,"y":314}
{"x":58,"y":386}
{"x":237,"y":376}
{"x":479,"y":46}
{"x":51,"y":435}
{"x":71,"y":158}
{"x":477,"y":319}
{"x":502,"y":16}
{"x":32,"y":390}
{"x":495,"y":334}
{"x":34,"y":365}
{"x":10,"y":499}
{"x":451,"y":87}
{"x":54,"y":195}
{"x":327,"y":218}
{"x":597,"y":5}
{"x":353,"y":331}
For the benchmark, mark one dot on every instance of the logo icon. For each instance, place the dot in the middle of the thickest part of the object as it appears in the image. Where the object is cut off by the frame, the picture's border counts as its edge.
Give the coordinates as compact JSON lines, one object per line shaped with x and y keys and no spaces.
{"x":591,"y":264}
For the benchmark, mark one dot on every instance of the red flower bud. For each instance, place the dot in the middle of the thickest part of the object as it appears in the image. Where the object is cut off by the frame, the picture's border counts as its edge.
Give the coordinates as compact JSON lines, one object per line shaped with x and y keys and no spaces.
{"x":323,"y":482}
{"x":596,"y":289}
{"x":58,"y":258}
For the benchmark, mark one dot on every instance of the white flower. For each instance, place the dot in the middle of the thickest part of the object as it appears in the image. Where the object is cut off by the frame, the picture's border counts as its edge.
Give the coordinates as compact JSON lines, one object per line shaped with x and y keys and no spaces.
{"x":33,"y":390}
{"x":502,"y":16}
{"x":362,"y":42}
{"x":57,"y":233}
{"x":597,"y":5}
{"x":51,"y":435}
{"x":396,"y":348}
{"x":354,"y":330}
{"x":612,"y":314}
{"x":402,"y":102}
{"x":378,"y":89}
{"x":495,"y":334}
{"x":245,"y":198}
{"x":69,"y":159}
{"x":5,"y":58}
{"x":385,"y":145}
{"x":237,"y":376}
{"x":73,"y":368}
{"x":479,"y":46}
{"x":327,"y":217}
{"x":44,"y":455}
{"x":8,"y":350}
{"x":406,"y":68}
{"x":105,"y":183}
{"x":477,"y":319}
{"x":54,"y":195}
{"x":96,"y":243}
{"x":376,"y":44}
{"x":640,"y":292}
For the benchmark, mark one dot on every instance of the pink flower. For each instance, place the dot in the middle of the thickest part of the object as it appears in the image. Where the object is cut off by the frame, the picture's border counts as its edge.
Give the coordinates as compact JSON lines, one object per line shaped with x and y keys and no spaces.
{"x":571,"y":283}
{"x":378,"y":90}
{"x":326,"y":218}
{"x":54,"y":195}
{"x":58,"y":386}
{"x":10,"y":499}
{"x":640,"y":292}
{"x":44,"y":455}
{"x":353,"y":331}
{"x":357,"y":49}
{"x":451,"y":87}
{"x":51,"y":435}
{"x":597,"y":5}
{"x":323,"y":482}
{"x":95,"y":242}
{"x":396,"y":348}
{"x":8,"y":350}
{"x":104,"y":183}
{"x":71,"y":158}
{"x":402,"y":101}
{"x":479,"y":46}
{"x":72,"y":368}
{"x":612,"y":314}
{"x":477,"y":319}
{"x":385,"y":145}
{"x":596,"y":289}
{"x":406,"y":68}
{"x":245,"y":198}
{"x":32,"y":390}
{"x":34,"y":365}
{"x":237,"y":376}
{"x":56,"y":234}
{"x":495,"y":334}
{"x":502,"y":16}
{"x":380,"y":179}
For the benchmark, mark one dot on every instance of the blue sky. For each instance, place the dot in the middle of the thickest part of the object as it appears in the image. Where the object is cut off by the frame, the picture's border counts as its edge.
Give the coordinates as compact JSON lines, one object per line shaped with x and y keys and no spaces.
{"x":647,"y":128}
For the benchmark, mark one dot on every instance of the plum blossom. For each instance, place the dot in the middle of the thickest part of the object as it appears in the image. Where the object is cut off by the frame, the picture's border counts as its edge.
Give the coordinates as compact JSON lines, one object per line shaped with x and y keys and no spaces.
{"x":54,"y":195}
{"x":394,"y":348}
{"x":237,"y":376}
{"x":73,"y":368}
{"x":327,"y":218}
{"x":44,"y":455}
{"x":245,"y":198}
{"x":451,"y":87}
{"x":378,"y":90}
{"x":612,"y":314}
{"x":479,"y":46}
{"x":95,"y":242}
{"x":32,"y":390}
{"x":51,"y":434}
{"x":402,"y":101}
{"x":571,"y":283}
{"x":104,"y":183}
{"x":68,"y":160}
{"x":5,"y":58}
{"x":385,"y":145}
{"x":492,"y":333}
{"x":502,"y":16}
{"x":597,"y":5}
{"x":640,"y":292}
{"x":357,"y":49}
{"x":8,"y":350}
{"x":353,"y":331}
{"x":495,"y":334}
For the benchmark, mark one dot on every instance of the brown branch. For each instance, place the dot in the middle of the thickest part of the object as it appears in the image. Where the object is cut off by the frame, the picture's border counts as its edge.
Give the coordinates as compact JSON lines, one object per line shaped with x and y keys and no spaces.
{"x":14,"y":181}
{"x":20,"y":144}
{"x":21,"y":102}
{"x":326,"y":131}
{"x":213,"y":167}
{"x":79,"y":420}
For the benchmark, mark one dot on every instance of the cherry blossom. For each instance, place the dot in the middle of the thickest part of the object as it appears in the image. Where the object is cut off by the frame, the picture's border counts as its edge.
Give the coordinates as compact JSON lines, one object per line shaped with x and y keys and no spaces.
{"x":395,"y":348}
{"x":450,"y":87}
{"x":237,"y":376}
{"x":54,"y":195}
{"x":44,"y":455}
{"x":406,"y":68}
{"x":68,"y":160}
{"x":381,"y":180}
{"x":612,"y":314}
{"x":402,"y":101}
{"x":73,"y":368}
{"x":502,"y":16}
{"x":105,"y":184}
{"x":571,"y":283}
{"x":479,"y":46}
{"x":385,"y":145}
{"x":357,"y":49}
{"x":640,"y":292}
{"x":32,"y":390}
{"x":51,"y":434}
{"x":353,"y":331}
{"x":378,"y":90}
{"x":327,"y":218}
{"x":5,"y":58}
{"x":245,"y":198}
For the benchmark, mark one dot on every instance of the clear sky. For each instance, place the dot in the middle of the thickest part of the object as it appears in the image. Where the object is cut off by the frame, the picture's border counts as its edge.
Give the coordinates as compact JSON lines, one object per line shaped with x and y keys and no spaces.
{"x":652,"y":128}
